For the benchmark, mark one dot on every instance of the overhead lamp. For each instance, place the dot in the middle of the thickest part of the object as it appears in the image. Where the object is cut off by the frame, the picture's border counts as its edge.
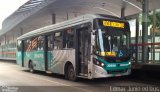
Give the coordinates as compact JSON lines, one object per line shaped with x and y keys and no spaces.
{"x":133,"y":5}
{"x":107,"y":11}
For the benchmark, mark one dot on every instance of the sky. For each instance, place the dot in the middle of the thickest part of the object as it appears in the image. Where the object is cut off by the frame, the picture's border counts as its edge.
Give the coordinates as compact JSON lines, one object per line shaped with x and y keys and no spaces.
{"x":7,"y":7}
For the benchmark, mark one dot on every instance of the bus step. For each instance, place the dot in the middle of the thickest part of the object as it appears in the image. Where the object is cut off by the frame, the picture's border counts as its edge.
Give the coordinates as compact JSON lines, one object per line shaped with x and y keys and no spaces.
{"x":49,"y":72}
{"x":82,"y":74}
{"x":86,"y":77}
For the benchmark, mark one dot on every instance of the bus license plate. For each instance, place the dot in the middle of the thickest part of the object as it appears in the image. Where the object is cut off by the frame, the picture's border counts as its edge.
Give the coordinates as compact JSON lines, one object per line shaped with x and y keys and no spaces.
{"x":118,"y":75}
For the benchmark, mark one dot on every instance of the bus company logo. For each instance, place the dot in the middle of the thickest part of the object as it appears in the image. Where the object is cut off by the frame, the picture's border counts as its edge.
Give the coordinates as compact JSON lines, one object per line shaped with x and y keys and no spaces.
{"x":111,"y":65}
{"x":38,"y":56}
{"x":124,"y":64}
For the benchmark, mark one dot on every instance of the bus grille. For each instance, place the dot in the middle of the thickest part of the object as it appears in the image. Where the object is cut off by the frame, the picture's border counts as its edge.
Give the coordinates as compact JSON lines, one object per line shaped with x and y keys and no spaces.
{"x":116,"y":71}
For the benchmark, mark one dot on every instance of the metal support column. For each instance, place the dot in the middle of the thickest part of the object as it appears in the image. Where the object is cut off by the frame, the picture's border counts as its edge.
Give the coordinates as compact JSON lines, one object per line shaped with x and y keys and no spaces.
{"x":21,"y":31}
{"x":67,"y":16}
{"x":153,"y":38}
{"x":137,"y":36}
{"x":5,"y":39}
{"x":13,"y":37}
{"x":145,"y":31}
{"x":53,"y":18}
{"x":123,"y":9}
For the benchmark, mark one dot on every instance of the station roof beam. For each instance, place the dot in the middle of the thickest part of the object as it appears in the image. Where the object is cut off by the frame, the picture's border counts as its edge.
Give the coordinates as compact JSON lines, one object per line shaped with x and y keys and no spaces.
{"x":30,"y":5}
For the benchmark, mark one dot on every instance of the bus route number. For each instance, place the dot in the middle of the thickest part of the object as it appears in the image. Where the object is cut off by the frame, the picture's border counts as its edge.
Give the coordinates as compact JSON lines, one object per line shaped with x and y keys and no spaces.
{"x":113,"y":24}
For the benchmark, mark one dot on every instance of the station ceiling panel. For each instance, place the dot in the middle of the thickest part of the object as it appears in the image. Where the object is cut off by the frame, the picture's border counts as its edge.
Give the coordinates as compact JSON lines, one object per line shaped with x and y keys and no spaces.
{"x":64,"y":9}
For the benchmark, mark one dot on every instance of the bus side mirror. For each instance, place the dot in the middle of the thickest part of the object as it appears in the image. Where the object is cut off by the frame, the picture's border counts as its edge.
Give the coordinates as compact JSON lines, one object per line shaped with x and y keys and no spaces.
{"x":94,"y":49}
{"x":109,"y":38}
{"x":93,"y":33}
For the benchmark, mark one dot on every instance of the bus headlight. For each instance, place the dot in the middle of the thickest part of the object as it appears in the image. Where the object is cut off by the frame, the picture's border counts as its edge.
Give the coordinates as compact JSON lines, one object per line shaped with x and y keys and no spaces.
{"x":102,"y":64}
{"x":96,"y":62}
{"x":129,"y":63}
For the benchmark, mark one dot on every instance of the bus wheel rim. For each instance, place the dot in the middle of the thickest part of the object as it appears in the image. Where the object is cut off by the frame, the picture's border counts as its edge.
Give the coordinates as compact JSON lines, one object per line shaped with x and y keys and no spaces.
{"x":71,"y":74}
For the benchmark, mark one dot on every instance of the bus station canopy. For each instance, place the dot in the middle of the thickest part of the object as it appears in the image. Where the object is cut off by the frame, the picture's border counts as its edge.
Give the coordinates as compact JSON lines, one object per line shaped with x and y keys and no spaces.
{"x":35,"y":13}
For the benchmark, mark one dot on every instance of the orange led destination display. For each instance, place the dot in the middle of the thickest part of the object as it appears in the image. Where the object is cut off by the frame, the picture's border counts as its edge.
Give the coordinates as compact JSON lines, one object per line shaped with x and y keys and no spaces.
{"x":113,"y":24}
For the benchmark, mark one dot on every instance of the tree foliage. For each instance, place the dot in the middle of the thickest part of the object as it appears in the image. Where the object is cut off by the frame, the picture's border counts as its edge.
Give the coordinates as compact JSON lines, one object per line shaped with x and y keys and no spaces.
{"x":150,"y":21}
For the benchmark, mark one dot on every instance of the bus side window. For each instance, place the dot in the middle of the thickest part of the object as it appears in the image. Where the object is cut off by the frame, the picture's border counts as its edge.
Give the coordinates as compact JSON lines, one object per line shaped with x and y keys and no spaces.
{"x":34,"y":43}
{"x":27,"y":45}
{"x":40,"y":43}
{"x":68,"y":38}
{"x":58,"y":40}
{"x":19,"y":45}
{"x":50,"y":42}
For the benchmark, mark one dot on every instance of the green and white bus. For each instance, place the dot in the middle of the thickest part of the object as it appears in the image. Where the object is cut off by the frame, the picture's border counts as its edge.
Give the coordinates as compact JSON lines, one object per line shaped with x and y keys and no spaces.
{"x":89,"y":46}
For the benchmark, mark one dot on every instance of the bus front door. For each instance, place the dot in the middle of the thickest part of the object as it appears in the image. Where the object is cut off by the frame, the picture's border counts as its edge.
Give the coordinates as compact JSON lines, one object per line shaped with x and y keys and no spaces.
{"x":82,"y":50}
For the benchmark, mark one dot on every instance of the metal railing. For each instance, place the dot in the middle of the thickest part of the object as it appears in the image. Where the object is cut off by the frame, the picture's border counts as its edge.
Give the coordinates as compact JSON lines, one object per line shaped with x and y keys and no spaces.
{"x":150,"y":58}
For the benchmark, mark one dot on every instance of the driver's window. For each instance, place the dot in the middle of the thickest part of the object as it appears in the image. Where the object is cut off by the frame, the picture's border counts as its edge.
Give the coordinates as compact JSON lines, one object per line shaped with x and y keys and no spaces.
{"x":114,"y":41}
{"x":123,"y":40}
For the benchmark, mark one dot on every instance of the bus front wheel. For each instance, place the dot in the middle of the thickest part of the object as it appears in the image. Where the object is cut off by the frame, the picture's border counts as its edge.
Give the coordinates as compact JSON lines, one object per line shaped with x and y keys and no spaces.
{"x":71,"y":75}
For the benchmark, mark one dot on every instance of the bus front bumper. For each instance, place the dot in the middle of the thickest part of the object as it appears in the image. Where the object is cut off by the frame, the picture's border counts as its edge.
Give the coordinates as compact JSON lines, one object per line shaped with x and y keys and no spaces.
{"x":100,"y":72}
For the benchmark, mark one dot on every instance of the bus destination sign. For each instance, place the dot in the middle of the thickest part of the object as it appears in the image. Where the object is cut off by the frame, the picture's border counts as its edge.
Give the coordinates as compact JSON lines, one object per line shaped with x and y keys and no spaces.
{"x":113,"y":24}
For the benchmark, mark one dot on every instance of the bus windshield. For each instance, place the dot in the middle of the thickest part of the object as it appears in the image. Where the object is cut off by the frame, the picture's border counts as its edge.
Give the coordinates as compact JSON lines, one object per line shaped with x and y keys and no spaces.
{"x":112,"y":42}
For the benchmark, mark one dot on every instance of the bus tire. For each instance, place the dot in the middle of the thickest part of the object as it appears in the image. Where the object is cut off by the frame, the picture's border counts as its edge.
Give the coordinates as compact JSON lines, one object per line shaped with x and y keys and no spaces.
{"x":31,"y":67}
{"x":71,"y":75}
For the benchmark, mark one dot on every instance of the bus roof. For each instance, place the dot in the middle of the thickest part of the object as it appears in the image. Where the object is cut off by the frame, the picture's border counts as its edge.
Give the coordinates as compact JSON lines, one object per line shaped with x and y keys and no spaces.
{"x":68,"y":23}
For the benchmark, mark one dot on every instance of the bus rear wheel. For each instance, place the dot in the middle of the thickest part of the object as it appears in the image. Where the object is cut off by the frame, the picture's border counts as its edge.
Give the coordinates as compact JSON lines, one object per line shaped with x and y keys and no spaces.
{"x":31,"y":67}
{"x":71,"y":75}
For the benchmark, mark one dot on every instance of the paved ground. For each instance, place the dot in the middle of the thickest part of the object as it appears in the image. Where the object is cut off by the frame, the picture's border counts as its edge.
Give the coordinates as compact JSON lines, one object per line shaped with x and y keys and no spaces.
{"x":13,"y":78}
